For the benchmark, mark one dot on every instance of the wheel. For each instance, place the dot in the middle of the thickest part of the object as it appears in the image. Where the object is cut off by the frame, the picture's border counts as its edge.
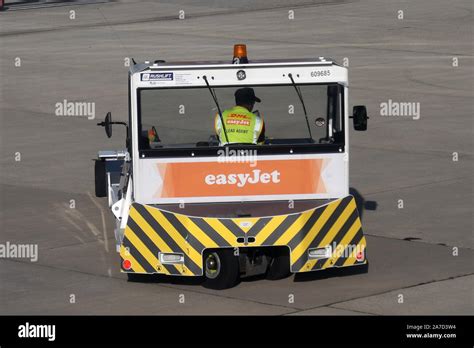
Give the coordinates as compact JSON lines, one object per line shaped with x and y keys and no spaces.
{"x":100,"y":179}
{"x":221,"y":269}
{"x":279,"y":266}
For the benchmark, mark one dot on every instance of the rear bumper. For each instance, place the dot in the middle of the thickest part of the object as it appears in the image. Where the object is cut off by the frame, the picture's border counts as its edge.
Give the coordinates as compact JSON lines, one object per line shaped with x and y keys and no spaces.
{"x":150,"y":231}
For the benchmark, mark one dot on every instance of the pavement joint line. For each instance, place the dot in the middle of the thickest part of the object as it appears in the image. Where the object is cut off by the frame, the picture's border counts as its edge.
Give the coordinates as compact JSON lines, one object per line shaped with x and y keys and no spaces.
{"x":412,"y":91}
{"x":362,"y":47}
{"x":76,"y":244}
{"x":419,"y":241}
{"x":409,"y":77}
{"x":354,"y":310}
{"x":224,"y":12}
{"x":334,"y":304}
{"x":351,"y":310}
{"x":37,"y":6}
{"x":403,"y":151}
{"x":417,"y":185}
{"x":403,"y":288}
{"x":156,"y":284}
{"x":31,"y":185}
{"x":9,"y":108}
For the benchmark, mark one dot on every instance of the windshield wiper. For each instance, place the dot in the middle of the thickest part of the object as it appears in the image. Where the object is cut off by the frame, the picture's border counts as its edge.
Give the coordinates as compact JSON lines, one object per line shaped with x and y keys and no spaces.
{"x":298,"y":91}
{"x":213,"y":94}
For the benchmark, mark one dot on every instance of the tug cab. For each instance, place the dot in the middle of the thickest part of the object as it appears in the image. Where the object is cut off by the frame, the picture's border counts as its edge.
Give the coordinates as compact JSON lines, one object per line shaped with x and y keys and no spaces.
{"x":185,"y":205}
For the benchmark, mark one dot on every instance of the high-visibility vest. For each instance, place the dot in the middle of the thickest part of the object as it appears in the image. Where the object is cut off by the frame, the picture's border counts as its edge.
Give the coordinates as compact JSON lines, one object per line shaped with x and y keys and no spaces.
{"x":241,"y":125}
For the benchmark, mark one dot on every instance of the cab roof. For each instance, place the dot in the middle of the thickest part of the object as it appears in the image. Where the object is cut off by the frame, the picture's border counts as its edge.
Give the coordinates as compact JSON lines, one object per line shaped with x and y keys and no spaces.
{"x":161,"y":64}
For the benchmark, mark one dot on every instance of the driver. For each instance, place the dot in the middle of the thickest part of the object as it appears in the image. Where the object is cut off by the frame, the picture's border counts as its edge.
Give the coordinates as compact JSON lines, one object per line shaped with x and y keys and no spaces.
{"x":242,"y":126}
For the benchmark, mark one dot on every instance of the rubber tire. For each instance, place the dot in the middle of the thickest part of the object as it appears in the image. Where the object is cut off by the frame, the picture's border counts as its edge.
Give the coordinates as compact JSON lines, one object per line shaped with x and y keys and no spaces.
{"x":100,"y":179}
{"x":364,"y":268}
{"x":279,"y":267}
{"x":229,"y":274}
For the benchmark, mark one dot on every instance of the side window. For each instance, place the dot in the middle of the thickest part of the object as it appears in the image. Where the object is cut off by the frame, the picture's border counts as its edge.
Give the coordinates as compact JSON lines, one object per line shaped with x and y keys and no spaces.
{"x":334,"y":130}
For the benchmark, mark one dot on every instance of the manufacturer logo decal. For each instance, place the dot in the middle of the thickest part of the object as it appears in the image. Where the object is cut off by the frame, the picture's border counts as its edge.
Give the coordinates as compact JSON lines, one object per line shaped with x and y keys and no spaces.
{"x":241,"y":75}
{"x":162,"y":76}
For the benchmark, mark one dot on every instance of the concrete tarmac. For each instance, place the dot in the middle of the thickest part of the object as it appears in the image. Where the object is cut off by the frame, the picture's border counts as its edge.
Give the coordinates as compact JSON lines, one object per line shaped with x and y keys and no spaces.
{"x":423,"y":251}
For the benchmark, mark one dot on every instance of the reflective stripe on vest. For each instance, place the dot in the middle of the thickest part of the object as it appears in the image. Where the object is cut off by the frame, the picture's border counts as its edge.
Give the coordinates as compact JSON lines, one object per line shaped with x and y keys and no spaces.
{"x":241,"y":126}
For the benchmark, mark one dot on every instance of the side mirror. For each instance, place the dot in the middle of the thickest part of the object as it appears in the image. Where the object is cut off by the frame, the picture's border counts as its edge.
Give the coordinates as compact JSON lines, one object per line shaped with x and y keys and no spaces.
{"x":360,"y":117}
{"x":107,"y":124}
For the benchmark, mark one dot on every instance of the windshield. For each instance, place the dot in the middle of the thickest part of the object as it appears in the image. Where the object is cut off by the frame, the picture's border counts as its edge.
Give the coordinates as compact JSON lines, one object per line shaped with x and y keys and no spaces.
{"x":186,"y":117}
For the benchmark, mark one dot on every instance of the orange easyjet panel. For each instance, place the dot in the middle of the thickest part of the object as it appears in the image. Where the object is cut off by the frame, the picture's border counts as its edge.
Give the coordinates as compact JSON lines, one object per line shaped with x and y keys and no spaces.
{"x":211,"y":180}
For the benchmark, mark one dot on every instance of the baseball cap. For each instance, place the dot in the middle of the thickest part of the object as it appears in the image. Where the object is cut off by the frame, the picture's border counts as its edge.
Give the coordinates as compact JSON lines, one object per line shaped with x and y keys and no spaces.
{"x":246,"y":94}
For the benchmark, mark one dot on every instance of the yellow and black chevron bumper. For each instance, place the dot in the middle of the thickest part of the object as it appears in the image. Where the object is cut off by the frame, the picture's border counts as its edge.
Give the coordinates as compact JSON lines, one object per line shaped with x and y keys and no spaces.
{"x":151,"y":231}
